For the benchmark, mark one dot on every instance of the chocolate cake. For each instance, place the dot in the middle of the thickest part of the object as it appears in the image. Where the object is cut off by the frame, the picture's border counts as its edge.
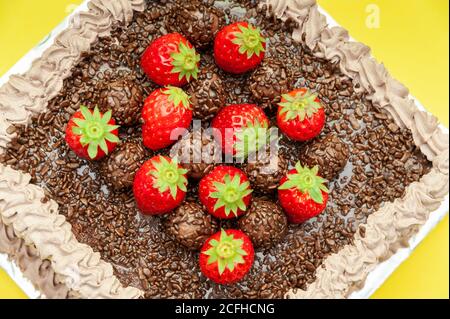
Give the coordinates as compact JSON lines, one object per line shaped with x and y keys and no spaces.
{"x":385,"y":160}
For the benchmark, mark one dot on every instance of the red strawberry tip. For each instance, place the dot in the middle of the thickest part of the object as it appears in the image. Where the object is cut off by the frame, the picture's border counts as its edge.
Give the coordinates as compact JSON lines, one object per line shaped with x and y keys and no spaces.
{"x":169,"y":176}
{"x":185,"y":62}
{"x":95,"y":130}
{"x":301,"y":105}
{"x":230,"y":194}
{"x":307,"y":181}
{"x":249,"y":40}
{"x":227,"y":252}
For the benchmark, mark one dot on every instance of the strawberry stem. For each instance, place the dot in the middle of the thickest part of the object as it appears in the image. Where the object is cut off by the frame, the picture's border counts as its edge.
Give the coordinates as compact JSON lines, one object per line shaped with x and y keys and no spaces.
{"x":227,"y":252}
{"x":249,"y":40}
{"x":177,"y":96}
{"x":95,"y":130}
{"x":230,"y":194}
{"x":301,"y":105}
{"x":307,"y":181}
{"x":185,"y":62}
{"x":169,"y":176}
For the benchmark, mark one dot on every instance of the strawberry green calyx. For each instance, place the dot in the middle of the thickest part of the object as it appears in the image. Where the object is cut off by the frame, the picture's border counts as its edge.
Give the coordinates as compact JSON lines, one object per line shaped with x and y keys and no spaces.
{"x":226,"y":251}
{"x":307,"y":181}
{"x":231,"y":194}
{"x":95,"y":130}
{"x":251,"y":138}
{"x":185,"y":62}
{"x":301,"y":105}
{"x":249,"y":40}
{"x":169,"y":176}
{"x":177,"y":96}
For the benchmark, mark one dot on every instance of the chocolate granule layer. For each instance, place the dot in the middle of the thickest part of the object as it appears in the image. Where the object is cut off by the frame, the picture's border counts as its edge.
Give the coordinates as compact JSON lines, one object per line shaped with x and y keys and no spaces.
{"x":382,"y":162}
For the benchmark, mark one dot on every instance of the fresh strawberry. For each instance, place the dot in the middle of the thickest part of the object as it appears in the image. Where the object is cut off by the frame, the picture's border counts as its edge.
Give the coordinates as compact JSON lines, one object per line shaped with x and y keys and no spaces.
{"x":227,"y":256}
{"x":91,"y":134}
{"x":170,"y":60}
{"x":301,"y":115}
{"x":241,"y":128}
{"x":225,"y":192}
{"x":302,"y":194}
{"x":239,"y":47}
{"x":164,"y":111}
{"x":159,"y":186}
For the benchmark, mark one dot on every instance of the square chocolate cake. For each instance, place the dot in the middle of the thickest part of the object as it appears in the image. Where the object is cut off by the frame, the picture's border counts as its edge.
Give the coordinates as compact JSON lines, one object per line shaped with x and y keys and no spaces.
{"x":119,"y":178}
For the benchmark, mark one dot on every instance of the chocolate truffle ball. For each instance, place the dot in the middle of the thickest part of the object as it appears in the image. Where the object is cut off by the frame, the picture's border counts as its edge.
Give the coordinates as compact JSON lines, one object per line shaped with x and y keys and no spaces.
{"x":265,"y":223}
{"x":197,"y":152}
{"x":207,"y":94}
{"x":124,"y":98}
{"x":197,"y":22}
{"x":330,"y":153}
{"x":190,"y":225}
{"x":269,"y":82}
{"x":266,"y":170}
{"x":119,"y":168}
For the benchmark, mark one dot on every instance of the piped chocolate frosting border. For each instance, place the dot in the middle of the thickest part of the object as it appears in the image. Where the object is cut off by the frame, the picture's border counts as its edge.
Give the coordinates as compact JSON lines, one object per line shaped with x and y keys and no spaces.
{"x":35,"y":235}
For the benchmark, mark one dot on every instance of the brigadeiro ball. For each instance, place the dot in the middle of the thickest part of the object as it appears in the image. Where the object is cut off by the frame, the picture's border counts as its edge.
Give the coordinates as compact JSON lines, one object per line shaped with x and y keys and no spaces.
{"x":265,"y":223}
{"x":124,"y":98}
{"x":119,"y":168}
{"x":207,"y":94}
{"x":197,"y":22}
{"x":190,"y":225}
{"x":266,"y":170}
{"x":269,"y":82}
{"x":330,"y":153}
{"x":197,"y":152}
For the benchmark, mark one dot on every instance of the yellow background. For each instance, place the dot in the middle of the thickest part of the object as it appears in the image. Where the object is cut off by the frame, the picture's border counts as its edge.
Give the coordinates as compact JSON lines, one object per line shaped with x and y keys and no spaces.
{"x":413,"y":43}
